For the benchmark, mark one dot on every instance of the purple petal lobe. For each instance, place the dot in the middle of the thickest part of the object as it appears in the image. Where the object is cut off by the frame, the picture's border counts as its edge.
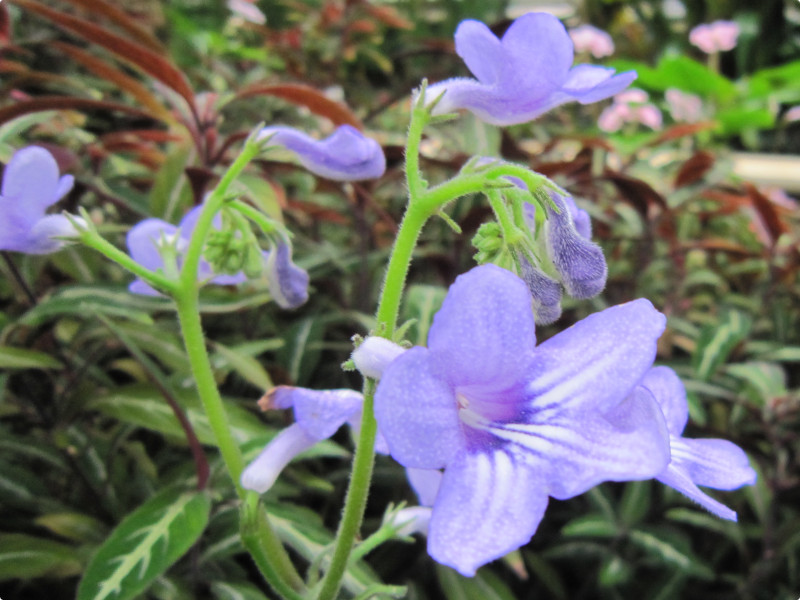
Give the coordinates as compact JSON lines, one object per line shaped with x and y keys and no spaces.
{"x":597,"y":361}
{"x":426,"y":484}
{"x":667,"y":388}
{"x":480,"y":49}
{"x":417,"y":412}
{"x":321,"y":412}
{"x":714,"y":463}
{"x":678,"y":479}
{"x":579,"y":261}
{"x":345,"y":155}
{"x":31,"y":182}
{"x":41,"y":239}
{"x":264,"y":470}
{"x":489,"y":504}
{"x":288,"y":283}
{"x":143,"y":241}
{"x":484,"y":332}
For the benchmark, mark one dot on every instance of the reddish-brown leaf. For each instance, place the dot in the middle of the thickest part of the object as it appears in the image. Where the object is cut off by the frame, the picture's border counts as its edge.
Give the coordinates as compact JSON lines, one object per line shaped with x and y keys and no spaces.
{"x":637,"y":192}
{"x":7,"y":113}
{"x":12,"y":66}
{"x":149,"y":135}
{"x":694,"y":168}
{"x":722,"y":245}
{"x":125,"y":82}
{"x":5,"y":25}
{"x":123,"y":20}
{"x":767,"y":212}
{"x":305,"y":95}
{"x":134,"y":53}
{"x":681,"y":130}
{"x":388,"y":15}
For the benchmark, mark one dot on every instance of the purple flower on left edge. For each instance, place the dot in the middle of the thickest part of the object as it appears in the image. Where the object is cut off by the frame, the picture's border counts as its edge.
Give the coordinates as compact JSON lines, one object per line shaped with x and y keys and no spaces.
{"x":31,"y":183}
{"x":345,"y":155}
{"x":512,"y":424}
{"x":713,"y":463}
{"x":523,"y":75}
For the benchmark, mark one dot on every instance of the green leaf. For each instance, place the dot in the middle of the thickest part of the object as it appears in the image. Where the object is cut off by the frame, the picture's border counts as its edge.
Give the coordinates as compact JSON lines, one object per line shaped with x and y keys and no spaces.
{"x":169,"y":183}
{"x":236,"y":591}
{"x":301,"y":353}
{"x":718,"y":340}
{"x":74,"y":526}
{"x":635,"y":502}
{"x":244,"y":364}
{"x":20,"y":358}
{"x":671,"y":552}
{"x":27,"y":557}
{"x":764,"y":380}
{"x":484,"y":586}
{"x":143,"y":405}
{"x":590,"y":526}
{"x":421,"y":303}
{"x":144,"y":545}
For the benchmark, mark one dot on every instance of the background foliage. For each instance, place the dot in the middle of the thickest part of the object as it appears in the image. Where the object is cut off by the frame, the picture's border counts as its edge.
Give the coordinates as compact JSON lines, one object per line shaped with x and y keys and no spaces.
{"x":144,"y":101}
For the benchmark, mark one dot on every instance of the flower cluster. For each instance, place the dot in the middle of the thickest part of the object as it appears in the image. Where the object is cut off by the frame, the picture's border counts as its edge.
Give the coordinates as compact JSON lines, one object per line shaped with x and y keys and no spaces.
{"x":719,"y":36}
{"x":684,"y":107}
{"x":31,"y":184}
{"x":631,"y":106}
{"x":588,"y":38}
{"x":523,"y":75}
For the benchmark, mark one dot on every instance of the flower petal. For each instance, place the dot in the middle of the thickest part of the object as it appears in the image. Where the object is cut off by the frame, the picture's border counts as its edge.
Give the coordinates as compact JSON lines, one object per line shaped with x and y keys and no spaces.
{"x":574,"y":451}
{"x":678,"y":479}
{"x":598,"y":361}
{"x":668,"y":390}
{"x":480,"y":49}
{"x":264,"y":470}
{"x":490,"y":503}
{"x":484,"y":333}
{"x":288,"y":283}
{"x":319,"y":412}
{"x":714,"y":463}
{"x":345,"y":155}
{"x":30,"y":184}
{"x":426,"y":484}
{"x":41,"y":239}
{"x":417,"y":412}
{"x":143,"y":239}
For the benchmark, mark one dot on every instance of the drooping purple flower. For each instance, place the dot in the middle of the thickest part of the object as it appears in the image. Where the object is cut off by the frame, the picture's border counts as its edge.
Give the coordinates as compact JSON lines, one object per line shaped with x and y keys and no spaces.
{"x":345,"y":155}
{"x":713,"y":463}
{"x":146,"y":241}
{"x":512,"y":424}
{"x":578,"y":260}
{"x":288,"y":283}
{"x":31,"y":183}
{"x":523,"y":75}
{"x":318,"y":415}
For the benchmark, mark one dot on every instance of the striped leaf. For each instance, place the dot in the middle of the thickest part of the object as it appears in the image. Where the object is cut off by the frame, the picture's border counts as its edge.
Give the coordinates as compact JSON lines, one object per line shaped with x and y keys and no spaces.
{"x":144,"y":545}
{"x":717,"y":341}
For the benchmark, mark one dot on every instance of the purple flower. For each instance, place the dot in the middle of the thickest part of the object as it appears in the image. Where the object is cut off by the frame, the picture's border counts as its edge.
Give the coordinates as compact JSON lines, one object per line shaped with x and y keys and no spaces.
{"x":714,"y":463}
{"x":288,"y":283}
{"x":345,"y":155}
{"x":318,"y":415}
{"x":147,"y":241}
{"x":718,"y":36}
{"x":512,"y":424}
{"x":588,"y":38}
{"x":523,"y":75}
{"x":31,"y":183}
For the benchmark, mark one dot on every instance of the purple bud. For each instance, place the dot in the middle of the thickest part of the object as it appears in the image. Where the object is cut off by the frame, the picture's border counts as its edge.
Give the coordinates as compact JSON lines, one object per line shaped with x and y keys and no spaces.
{"x":578,"y":260}
{"x":374,"y":354}
{"x":546,"y":293}
{"x":345,"y":155}
{"x":288,"y":283}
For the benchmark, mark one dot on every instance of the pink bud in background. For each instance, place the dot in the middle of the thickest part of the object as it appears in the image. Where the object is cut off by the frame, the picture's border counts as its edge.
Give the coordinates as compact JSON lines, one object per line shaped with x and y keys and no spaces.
{"x":793,"y":114}
{"x":718,"y":36}
{"x":684,"y":107}
{"x":588,"y":38}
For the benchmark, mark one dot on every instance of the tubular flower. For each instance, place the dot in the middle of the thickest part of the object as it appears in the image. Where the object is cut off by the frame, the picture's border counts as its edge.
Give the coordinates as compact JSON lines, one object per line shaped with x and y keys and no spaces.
{"x":577,"y":262}
{"x":512,"y":424}
{"x":318,"y":415}
{"x":523,"y":75}
{"x":719,"y":36}
{"x":31,"y":183}
{"x":588,"y":38}
{"x":714,"y":463}
{"x":345,"y":155}
{"x":288,"y":283}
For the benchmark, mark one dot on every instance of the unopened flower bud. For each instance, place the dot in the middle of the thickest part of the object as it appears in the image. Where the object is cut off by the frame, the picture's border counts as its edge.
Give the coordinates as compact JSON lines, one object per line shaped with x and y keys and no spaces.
{"x":374,"y":354}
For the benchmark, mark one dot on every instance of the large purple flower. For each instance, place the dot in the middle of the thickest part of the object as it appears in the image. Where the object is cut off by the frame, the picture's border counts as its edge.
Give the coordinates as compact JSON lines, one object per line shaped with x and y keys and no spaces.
{"x":524,"y":74}
{"x":511,"y":423}
{"x":31,"y":183}
{"x":345,"y":155}
{"x":714,"y":463}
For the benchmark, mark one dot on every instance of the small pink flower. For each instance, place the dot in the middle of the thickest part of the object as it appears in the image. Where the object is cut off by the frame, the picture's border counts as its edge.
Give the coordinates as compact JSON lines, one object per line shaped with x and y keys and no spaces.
{"x":684,"y":107}
{"x":588,"y":38}
{"x":247,"y":10}
{"x":718,"y":36}
{"x":793,"y":114}
{"x":630,"y":106}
